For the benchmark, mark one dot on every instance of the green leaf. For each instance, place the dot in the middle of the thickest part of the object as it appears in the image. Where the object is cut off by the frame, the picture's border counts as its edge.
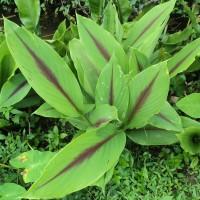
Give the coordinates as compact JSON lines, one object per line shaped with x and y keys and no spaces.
{"x":29,"y":12}
{"x":46,"y":110}
{"x":11,"y":191}
{"x":46,"y":72}
{"x":89,"y":155}
{"x":124,"y":10}
{"x":152,"y":136}
{"x":167,"y":119}
{"x":111,"y":22}
{"x":137,"y":62}
{"x":78,"y":123}
{"x":190,"y":105}
{"x":147,"y":97}
{"x":178,"y":37}
{"x":96,"y":8}
{"x":184,"y":58}
{"x":195,"y":66}
{"x":187,"y":122}
{"x":7,"y":68}
{"x":3,"y":123}
{"x":112,"y":88}
{"x":190,"y":140}
{"x":101,"y":182}
{"x":33,"y":163}
{"x":103,"y":114}
{"x":102,"y":44}
{"x":88,"y":72}
{"x":14,"y":90}
{"x":150,"y":43}
{"x":145,"y":26}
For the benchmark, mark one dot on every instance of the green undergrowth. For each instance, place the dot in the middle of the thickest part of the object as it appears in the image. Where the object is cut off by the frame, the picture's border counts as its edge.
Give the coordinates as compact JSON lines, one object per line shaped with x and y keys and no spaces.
{"x":157,"y":173}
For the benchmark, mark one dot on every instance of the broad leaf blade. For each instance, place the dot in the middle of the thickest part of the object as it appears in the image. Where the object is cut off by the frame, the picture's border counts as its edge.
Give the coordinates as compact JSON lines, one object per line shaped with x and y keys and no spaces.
{"x":137,"y":62}
{"x":147,"y":24}
{"x":147,"y":97}
{"x":88,"y":72}
{"x":29,"y":12}
{"x":190,"y":105}
{"x":103,"y":114}
{"x":152,"y":136}
{"x":14,"y":90}
{"x":112,"y":88}
{"x":167,"y":119}
{"x":96,"y":8}
{"x":45,"y":70}
{"x":102,"y":44}
{"x":187,"y":122}
{"x":12,"y":191}
{"x":96,"y":149}
{"x":111,"y":22}
{"x":183,"y":59}
{"x":46,"y":110}
{"x":33,"y":163}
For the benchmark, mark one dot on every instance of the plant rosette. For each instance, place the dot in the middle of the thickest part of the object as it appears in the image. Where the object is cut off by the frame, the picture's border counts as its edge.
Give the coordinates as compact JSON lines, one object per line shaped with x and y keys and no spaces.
{"x":190,"y":140}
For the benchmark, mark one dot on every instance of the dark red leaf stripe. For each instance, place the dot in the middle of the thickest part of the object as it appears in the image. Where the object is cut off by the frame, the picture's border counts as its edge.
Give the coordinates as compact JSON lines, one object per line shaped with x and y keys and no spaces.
{"x":111,"y":94}
{"x":166,"y":119}
{"x":101,"y":121}
{"x":47,"y":73}
{"x":142,"y":99}
{"x":80,"y":159}
{"x":99,"y":46}
{"x":147,"y":27}
{"x":17,"y":89}
{"x":181,"y":61}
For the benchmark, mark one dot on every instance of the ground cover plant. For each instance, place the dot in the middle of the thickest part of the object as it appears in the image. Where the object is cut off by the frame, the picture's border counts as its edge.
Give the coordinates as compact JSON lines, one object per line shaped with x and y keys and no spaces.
{"x":101,"y":91}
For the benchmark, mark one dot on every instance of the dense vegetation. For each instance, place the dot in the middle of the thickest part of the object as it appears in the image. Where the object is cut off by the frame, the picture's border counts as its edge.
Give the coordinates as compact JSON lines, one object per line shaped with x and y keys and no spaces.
{"x":145,"y":170}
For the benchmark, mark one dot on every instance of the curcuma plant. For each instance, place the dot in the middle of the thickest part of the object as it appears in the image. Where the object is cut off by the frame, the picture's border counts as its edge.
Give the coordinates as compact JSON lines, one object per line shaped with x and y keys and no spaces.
{"x":116,"y":92}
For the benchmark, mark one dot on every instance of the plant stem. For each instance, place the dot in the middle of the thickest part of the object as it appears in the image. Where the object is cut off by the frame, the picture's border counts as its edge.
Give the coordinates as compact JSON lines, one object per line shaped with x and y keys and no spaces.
{"x":5,"y":166}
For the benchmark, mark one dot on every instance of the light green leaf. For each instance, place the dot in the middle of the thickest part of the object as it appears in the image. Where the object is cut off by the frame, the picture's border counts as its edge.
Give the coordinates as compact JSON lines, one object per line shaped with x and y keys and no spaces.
{"x":112,"y":88}
{"x":150,"y":43}
{"x":46,"y":110}
{"x":137,"y":62}
{"x":33,"y":163}
{"x":96,"y":149}
{"x":124,"y":10}
{"x":45,"y":70}
{"x":147,"y":97}
{"x":111,"y":22}
{"x":29,"y":12}
{"x":190,"y":105}
{"x":96,"y":8}
{"x":178,"y":37}
{"x":14,"y":90}
{"x":78,"y":123}
{"x":11,"y":191}
{"x":184,"y":58}
{"x":190,"y":140}
{"x":103,"y":114}
{"x":88,"y":72}
{"x":102,"y":44}
{"x":145,"y":26}
{"x":187,"y":122}
{"x":167,"y":119}
{"x":152,"y":136}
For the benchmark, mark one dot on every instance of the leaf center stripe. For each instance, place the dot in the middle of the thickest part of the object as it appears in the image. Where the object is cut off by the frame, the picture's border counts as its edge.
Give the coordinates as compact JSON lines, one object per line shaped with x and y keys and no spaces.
{"x":48,"y":73}
{"x":80,"y":159}
{"x":181,"y":61}
{"x":101,"y":121}
{"x":111,"y":100}
{"x":147,"y":27}
{"x":17,"y":89}
{"x":142,"y":99}
{"x":99,"y":46}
